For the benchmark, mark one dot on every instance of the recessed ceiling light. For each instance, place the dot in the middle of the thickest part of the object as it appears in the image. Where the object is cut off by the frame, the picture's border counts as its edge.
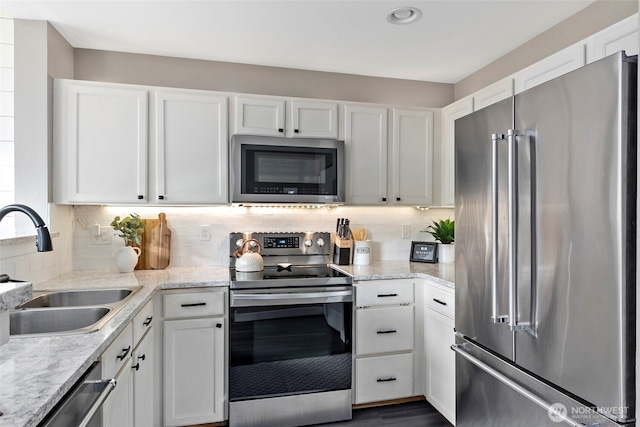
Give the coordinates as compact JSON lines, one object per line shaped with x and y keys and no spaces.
{"x":403,"y":15}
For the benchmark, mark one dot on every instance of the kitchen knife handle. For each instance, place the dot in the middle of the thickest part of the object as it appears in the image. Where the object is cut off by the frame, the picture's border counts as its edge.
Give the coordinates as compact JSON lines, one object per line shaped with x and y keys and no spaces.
{"x":495,"y":303}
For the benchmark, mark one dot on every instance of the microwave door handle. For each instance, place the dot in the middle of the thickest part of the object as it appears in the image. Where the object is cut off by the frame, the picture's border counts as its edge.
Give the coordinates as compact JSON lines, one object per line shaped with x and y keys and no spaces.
{"x":495,"y":304}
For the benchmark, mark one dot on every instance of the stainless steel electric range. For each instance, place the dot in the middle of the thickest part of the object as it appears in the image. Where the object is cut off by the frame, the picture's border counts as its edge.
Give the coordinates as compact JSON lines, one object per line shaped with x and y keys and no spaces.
{"x":290,"y":334}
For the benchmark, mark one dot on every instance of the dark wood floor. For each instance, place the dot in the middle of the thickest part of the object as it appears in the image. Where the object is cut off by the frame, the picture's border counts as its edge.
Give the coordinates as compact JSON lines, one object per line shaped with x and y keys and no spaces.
{"x":411,"y":414}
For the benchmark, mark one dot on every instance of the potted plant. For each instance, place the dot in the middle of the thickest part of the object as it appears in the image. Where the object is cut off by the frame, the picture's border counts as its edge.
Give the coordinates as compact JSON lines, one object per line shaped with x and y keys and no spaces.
{"x":131,"y":229}
{"x":443,"y":232}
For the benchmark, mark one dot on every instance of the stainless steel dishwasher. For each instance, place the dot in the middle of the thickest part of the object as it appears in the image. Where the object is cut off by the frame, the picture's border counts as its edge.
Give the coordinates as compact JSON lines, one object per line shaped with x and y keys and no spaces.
{"x":82,"y":405}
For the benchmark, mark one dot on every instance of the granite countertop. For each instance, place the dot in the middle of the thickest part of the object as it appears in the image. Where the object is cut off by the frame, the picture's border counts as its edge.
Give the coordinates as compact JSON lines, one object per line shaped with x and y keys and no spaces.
{"x":36,"y":372}
{"x":443,"y":274}
{"x":13,"y":294}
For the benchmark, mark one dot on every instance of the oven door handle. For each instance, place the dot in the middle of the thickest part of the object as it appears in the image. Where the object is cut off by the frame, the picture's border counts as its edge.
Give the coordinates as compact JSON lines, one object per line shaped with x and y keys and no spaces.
{"x":239,"y":299}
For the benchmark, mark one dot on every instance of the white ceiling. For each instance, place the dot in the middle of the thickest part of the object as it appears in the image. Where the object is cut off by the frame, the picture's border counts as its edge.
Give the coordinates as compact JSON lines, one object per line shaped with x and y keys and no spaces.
{"x":453,"y":38}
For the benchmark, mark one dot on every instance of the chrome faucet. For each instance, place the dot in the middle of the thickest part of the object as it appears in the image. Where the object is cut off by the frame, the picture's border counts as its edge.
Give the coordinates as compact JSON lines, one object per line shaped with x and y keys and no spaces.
{"x":43,"y":239}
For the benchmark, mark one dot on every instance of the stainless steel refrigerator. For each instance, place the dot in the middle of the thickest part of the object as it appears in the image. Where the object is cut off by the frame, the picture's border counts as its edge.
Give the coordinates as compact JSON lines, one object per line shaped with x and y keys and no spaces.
{"x":545,"y":215}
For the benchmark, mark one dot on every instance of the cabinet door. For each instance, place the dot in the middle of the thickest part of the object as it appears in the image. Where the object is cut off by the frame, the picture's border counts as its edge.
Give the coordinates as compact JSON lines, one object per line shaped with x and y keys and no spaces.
{"x":193,"y":371}
{"x":259,"y":116}
{"x":441,"y":363}
{"x":102,"y":132}
{"x":117,"y":410}
{"x":191,"y":147}
{"x":447,"y":166}
{"x":142,"y":361}
{"x":620,"y":36}
{"x":366,"y":155}
{"x":491,"y":94}
{"x":549,"y":68}
{"x":313,"y":119}
{"x":412,"y":157}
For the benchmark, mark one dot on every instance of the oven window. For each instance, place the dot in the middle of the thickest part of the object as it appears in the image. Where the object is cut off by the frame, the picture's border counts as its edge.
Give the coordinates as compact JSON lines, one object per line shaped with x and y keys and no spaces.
{"x":289,"y":170}
{"x":282,"y":350}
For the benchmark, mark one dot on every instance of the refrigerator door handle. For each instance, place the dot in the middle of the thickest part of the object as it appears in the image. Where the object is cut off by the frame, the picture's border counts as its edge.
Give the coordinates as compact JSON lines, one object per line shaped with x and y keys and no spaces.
{"x":512,"y":231}
{"x":551,"y":409}
{"x":496,"y":317}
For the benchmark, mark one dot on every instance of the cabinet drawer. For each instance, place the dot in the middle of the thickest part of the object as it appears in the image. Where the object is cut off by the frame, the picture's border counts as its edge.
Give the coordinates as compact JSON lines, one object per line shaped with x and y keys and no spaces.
{"x":384,"y":330}
{"x":118,"y":353}
{"x":384,"y":292}
{"x":193,"y":304}
{"x":142,"y":322}
{"x":384,"y":378}
{"x":441,"y":300}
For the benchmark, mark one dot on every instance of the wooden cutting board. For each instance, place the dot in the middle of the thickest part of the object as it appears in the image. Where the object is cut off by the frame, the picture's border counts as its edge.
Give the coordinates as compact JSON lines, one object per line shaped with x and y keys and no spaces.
{"x":145,"y":246}
{"x":160,"y":247}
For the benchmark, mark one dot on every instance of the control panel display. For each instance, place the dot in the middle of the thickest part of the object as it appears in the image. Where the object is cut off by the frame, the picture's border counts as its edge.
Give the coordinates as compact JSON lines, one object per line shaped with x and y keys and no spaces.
{"x":281,"y":242}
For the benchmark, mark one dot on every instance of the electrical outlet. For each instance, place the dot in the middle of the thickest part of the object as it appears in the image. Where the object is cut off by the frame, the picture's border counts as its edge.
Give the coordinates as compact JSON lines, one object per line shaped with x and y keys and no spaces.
{"x":205,"y":233}
{"x":101,"y":235}
{"x":406,"y":231}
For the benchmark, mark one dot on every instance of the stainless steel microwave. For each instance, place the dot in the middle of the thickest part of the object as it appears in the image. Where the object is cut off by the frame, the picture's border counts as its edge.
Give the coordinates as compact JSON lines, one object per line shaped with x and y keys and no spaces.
{"x":267,"y":169}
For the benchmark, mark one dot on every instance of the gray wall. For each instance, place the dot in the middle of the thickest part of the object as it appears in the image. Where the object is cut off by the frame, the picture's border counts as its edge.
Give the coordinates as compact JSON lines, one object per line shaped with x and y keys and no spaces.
{"x":152,"y":70}
{"x":588,"y":21}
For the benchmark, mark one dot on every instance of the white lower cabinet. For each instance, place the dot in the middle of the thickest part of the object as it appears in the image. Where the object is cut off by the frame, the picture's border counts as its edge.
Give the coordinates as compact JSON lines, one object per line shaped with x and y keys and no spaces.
{"x":194,"y":355}
{"x":116,"y":362}
{"x":440,"y":359}
{"x":384,"y":340}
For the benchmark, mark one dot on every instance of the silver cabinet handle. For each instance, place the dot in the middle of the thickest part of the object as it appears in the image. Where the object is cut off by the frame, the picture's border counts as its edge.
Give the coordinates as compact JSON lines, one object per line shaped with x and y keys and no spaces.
{"x":514,"y":386}
{"x":496,"y":317}
{"x":111,"y":384}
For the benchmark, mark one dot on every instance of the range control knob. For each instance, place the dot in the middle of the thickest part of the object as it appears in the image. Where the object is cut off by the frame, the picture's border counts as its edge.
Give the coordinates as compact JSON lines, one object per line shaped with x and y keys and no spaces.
{"x":308,"y":243}
{"x":320,"y":242}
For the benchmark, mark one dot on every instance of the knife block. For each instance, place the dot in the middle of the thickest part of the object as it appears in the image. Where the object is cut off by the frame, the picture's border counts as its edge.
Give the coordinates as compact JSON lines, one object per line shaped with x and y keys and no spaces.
{"x":342,"y":251}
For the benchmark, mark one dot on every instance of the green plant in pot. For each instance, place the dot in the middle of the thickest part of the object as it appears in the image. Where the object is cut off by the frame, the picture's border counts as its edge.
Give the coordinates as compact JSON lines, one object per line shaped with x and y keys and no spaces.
{"x":130,"y":229}
{"x":444,"y":232}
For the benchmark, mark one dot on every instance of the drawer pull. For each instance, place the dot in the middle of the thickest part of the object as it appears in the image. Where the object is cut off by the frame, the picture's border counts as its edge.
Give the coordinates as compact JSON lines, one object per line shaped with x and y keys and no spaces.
{"x":195,"y":304}
{"x":440,"y":302}
{"x":144,"y":356}
{"x":148,"y":321}
{"x":385,"y":380}
{"x":136,"y":366}
{"x":218,"y":325}
{"x":125,"y":351}
{"x":388,"y":331}
{"x":387,"y":295}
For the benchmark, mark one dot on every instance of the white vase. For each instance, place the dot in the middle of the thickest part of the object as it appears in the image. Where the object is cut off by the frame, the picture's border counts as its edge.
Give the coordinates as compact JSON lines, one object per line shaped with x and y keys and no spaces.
{"x":447,"y":253}
{"x":127,"y":258}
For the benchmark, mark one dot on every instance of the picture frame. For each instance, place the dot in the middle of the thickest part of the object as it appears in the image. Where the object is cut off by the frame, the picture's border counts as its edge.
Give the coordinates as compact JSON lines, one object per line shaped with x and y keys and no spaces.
{"x":424,"y":252}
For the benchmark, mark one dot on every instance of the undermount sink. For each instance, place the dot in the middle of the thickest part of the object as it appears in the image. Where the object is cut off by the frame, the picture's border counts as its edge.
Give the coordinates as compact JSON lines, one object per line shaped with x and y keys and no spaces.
{"x":57,"y":320}
{"x":68,"y":312}
{"x":78,"y":298}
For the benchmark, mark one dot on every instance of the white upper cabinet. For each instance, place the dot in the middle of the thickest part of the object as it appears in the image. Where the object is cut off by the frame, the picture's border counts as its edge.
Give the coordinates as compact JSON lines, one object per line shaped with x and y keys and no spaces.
{"x":259,"y":116}
{"x":100,"y":143}
{"x":191,"y":147}
{"x":102,"y":154}
{"x":365,"y":138}
{"x":493,"y":93}
{"x":553,"y":66}
{"x":313,"y":119}
{"x":256,"y":115}
{"x":411,"y":157}
{"x":447,"y":165}
{"x":620,"y":36}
